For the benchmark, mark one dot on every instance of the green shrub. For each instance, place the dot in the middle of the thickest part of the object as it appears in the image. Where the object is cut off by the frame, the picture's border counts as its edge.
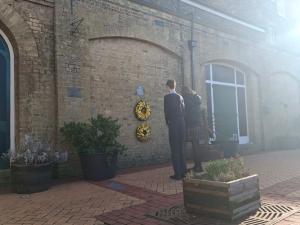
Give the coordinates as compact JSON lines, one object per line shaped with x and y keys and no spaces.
{"x":98,"y":135}
{"x":226,"y":169}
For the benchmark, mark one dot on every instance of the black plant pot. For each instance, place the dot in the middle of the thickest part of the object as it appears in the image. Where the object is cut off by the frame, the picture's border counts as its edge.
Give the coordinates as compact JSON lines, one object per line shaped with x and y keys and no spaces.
{"x":30,"y":179}
{"x":97,"y":167}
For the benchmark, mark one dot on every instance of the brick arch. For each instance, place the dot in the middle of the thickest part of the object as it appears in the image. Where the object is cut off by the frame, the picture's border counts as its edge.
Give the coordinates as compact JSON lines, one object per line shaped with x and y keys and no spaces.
{"x":25,"y":56}
{"x":113,"y":69}
{"x":242,"y":66}
{"x":170,"y":50}
{"x":18,"y":31}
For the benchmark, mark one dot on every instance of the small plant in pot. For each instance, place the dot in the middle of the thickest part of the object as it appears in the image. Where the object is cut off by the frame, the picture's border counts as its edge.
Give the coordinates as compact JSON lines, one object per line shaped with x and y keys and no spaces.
{"x":31,"y":166}
{"x":97,"y":145}
{"x":225,"y":190}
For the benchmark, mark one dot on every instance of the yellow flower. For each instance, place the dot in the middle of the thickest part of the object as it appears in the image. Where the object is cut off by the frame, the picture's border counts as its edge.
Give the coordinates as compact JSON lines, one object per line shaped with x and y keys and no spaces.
{"x":142,"y":110}
{"x":143,"y":132}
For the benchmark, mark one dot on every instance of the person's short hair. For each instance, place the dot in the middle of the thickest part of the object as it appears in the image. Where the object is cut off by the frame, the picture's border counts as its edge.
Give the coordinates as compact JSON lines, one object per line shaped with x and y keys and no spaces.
{"x":171,"y":84}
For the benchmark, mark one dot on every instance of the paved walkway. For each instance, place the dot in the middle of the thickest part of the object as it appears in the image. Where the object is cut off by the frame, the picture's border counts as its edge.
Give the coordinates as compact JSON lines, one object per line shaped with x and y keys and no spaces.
{"x":127,"y":198}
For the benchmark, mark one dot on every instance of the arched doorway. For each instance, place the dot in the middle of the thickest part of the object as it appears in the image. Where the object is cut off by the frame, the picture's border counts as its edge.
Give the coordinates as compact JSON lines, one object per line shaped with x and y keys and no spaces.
{"x":227,"y":102}
{"x":6,"y":99}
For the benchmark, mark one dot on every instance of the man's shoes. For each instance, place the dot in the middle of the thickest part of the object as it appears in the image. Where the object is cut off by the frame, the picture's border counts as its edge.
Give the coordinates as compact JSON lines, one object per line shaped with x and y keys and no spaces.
{"x":174,"y":177}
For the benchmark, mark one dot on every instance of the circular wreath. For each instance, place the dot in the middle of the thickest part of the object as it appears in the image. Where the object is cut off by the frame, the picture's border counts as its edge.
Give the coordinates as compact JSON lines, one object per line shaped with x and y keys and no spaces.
{"x":143,"y":132}
{"x":142,"y":110}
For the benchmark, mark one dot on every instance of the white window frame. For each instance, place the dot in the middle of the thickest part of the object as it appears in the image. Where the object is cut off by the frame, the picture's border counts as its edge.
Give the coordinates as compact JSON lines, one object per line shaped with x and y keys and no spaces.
{"x":12,"y":93}
{"x":242,"y":139}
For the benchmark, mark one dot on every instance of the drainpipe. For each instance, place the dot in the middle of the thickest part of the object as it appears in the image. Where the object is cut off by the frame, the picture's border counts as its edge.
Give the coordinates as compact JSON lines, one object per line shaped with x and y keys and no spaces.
{"x":192,"y":46}
{"x":72,"y":5}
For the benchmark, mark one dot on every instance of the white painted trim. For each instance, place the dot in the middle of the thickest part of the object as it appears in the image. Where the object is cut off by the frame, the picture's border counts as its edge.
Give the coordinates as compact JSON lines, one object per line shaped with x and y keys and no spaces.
{"x":224,"y":16}
{"x":224,"y":83}
{"x":246,"y":97}
{"x":12,"y":93}
{"x":212,"y":103}
{"x":237,"y":106}
{"x":242,"y":139}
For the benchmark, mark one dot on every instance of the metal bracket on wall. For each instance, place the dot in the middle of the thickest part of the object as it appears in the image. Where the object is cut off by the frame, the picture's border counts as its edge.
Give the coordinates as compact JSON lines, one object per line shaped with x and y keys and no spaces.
{"x":192,"y":44}
{"x":75,"y":23}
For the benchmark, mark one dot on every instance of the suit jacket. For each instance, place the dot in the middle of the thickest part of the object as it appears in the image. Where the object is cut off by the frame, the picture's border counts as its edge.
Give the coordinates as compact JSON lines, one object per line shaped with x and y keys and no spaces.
{"x":174,"y":108}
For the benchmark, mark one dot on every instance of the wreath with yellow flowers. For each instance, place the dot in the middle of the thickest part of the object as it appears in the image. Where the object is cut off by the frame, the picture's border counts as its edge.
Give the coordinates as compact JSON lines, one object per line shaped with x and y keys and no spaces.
{"x":142,"y":110}
{"x":143,"y":132}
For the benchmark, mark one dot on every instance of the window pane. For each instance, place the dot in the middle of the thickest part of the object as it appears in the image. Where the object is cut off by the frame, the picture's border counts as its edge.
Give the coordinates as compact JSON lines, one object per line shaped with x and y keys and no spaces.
{"x":242,"y":111}
{"x":207,"y":72}
{"x":223,"y":74}
{"x":3,"y":88}
{"x":3,"y":45}
{"x":240,"y":78}
{"x":225,"y":112}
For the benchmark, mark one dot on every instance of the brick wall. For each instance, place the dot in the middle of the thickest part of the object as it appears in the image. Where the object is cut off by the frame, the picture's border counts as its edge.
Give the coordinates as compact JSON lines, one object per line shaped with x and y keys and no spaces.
{"x":30,"y":28}
{"x":120,"y":41}
{"x":68,"y":70}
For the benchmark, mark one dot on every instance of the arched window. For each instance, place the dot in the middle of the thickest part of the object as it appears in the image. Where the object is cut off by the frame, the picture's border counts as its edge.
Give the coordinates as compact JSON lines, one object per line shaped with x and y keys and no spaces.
{"x":4,"y":97}
{"x":227,"y":103}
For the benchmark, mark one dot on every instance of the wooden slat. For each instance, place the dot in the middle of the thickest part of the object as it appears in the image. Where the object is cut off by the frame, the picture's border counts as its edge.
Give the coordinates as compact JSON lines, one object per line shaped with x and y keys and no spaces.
{"x":205,"y":187}
{"x":244,"y":184}
{"x":197,"y":191}
{"x":206,"y":182}
{"x":246,"y":210}
{"x":202,"y":210}
{"x":224,"y":200}
{"x":236,"y":205}
{"x":245,"y":195}
{"x":252,"y":177}
{"x":218,"y":202}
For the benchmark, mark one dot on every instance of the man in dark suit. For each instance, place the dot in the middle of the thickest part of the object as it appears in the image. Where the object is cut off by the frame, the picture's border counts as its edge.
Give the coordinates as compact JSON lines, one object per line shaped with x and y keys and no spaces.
{"x":174,"y":115}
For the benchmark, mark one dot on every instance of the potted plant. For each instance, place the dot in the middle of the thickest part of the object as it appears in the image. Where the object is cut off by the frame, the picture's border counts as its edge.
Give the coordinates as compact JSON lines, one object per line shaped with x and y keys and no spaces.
{"x":31,"y":167}
{"x":225,"y":190}
{"x":97,"y":145}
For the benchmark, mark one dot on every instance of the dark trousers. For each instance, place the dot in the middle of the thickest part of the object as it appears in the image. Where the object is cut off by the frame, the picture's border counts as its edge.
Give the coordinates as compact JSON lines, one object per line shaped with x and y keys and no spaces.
{"x":176,"y":139}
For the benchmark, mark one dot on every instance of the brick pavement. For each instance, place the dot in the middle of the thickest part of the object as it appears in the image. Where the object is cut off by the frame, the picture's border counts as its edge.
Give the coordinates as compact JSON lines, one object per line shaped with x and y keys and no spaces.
{"x":135,"y":215}
{"x":272,"y":167}
{"x":68,"y":204}
{"x":127,"y":198}
{"x":279,"y":181}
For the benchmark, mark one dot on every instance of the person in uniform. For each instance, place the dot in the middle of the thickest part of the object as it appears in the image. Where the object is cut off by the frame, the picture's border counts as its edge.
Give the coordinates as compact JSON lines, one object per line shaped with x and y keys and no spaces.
{"x":174,"y":116}
{"x":195,"y":122}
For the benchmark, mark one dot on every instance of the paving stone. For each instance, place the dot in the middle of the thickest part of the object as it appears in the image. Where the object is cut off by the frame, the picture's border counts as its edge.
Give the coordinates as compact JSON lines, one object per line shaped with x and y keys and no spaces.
{"x":139,"y":193}
{"x":72,"y":203}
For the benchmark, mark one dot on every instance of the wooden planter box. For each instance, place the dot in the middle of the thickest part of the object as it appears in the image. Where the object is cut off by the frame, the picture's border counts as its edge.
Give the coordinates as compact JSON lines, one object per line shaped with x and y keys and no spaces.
{"x":226,"y":200}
